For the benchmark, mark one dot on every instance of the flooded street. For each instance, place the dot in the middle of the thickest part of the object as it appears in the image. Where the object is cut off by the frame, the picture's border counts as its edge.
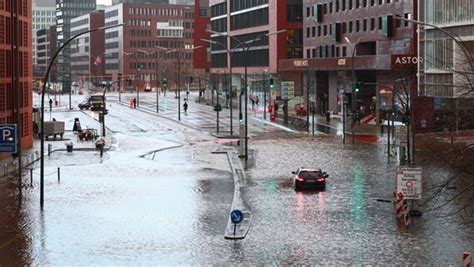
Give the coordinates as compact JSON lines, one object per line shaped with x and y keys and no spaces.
{"x":161,"y":197}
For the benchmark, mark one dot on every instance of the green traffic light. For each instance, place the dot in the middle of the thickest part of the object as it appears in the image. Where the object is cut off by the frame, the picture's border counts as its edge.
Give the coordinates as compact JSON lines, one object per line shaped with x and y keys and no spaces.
{"x":357,"y":90}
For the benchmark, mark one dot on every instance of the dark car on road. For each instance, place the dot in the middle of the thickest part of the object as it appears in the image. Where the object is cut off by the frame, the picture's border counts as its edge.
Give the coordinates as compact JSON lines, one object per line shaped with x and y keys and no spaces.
{"x":86,"y":104}
{"x":307,"y":178}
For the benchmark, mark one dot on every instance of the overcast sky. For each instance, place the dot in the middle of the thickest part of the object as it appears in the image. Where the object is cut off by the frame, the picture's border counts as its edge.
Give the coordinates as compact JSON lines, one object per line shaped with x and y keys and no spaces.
{"x":104,"y":2}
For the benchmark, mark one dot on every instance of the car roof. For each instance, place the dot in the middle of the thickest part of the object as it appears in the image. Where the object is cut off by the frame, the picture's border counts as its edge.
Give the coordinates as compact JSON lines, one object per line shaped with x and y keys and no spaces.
{"x":310,"y":169}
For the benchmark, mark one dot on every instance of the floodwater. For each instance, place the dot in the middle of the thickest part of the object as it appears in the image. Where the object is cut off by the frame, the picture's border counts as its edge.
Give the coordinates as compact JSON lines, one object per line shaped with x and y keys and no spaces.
{"x":161,"y":197}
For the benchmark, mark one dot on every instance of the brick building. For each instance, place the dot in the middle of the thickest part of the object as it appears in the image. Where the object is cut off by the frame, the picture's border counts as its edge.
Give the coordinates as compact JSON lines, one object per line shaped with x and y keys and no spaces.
{"x":13,"y":92}
{"x":141,"y":49}
{"x":249,"y":20}
{"x":349,"y":46}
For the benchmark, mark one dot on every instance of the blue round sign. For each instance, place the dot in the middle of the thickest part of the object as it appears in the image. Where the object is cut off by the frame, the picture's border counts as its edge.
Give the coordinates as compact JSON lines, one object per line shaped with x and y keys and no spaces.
{"x":236,"y":216}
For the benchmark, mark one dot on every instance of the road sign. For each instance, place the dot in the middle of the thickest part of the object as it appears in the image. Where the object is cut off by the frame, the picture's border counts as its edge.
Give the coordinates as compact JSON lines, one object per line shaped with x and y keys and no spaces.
{"x":409,"y":182}
{"x":287,"y":90}
{"x":8,"y":139}
{"x":236,"y":216}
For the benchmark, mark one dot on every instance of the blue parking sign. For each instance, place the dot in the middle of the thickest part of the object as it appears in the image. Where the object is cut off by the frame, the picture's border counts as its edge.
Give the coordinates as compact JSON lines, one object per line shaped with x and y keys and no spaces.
{"x":8,"y":139}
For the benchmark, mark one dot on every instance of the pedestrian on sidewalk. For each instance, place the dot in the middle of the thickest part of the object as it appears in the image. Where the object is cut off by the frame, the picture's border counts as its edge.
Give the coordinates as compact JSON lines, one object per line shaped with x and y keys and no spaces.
{"x":185,"y":106}
{"x":253,"y":102}
{"x":134,"y":102}
{"x":328,"y":116}
{"x":275,"y":108}
{"x":256,"y":101}
{"x":50,"y":105}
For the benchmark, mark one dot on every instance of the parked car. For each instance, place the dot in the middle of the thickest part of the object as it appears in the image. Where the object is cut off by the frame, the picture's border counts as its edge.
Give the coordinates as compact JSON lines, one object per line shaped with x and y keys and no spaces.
{"x":84,"y":105}
{"x":307,"y":178}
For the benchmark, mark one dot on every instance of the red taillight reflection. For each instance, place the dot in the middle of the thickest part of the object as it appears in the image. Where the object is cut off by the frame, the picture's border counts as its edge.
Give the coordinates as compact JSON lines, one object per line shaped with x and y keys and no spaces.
{"x":320,"y":179}
{"x":299,"y":179}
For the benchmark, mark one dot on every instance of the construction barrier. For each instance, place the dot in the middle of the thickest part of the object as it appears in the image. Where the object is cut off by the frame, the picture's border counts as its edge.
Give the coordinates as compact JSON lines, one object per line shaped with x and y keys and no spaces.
{"x":401,"y":208}
{"x":466,"y":259}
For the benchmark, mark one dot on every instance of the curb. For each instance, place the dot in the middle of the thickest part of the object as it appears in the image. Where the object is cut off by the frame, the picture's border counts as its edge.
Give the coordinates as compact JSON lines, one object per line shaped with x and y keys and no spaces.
{"x":242,"y":228}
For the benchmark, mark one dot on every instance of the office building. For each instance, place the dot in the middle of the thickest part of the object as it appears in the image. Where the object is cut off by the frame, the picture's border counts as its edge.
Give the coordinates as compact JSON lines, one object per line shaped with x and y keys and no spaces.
{"x":87,"y":51}
{"x":16,"y":70}
{"x":250,"y":22}
{"x":65,"y":11}
{"x":351,"y":46}
{"x":44,"y":15}
{"x":45,"y":49}
{"x":142,"y":50}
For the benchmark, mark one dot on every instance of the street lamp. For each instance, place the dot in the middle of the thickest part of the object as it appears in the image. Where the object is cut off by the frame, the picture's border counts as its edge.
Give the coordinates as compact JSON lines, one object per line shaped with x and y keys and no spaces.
{"x":120,"y":72}
{"x":179,"y":76}
{"x":245,"y":48}
{"x":354,"y":90}
{"x":229,"y":53}
{"x":42,"y":103}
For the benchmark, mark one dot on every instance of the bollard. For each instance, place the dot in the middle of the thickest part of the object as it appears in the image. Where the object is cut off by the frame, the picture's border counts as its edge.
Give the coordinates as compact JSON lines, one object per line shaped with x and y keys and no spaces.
{"x":59,"y":174}
{"x":49,"y":149}
{"x":31,"y":177}
{"x":466,"y":259}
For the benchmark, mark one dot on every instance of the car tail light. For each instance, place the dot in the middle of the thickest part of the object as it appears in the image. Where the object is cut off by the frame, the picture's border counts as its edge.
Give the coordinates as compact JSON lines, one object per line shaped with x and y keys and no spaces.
{"x":299,"y":179}
{"x":320,"y":179}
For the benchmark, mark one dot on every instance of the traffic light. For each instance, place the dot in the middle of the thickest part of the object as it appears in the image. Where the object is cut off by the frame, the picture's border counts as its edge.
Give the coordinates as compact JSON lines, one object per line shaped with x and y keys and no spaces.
{"x":271,"y":82}
{"x":241,"y":118}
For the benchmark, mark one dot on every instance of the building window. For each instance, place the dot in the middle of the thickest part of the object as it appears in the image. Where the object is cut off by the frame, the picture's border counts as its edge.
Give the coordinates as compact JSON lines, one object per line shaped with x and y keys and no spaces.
{"x":307,"y":32}
{"x":350,"y":26}
{"x":398,"y":22}
{"x":350,"y":4}
{"x":325,"y":30}
{"x":308,"y":11}
{"x":308,"y":53}
{"x":314,"y":52}
{"x":343,"y":5}
{"x":365,"y":25}
{"x":313,"y":31}
{"x":357,"y":26}
{"x":372,"y":2}
{"x":357,"y":3}
{"x":319,"y":30}
{"x":364,"y":3}
{"x":380,"y":23}
{"x":337,"y":5}
{"x":344,"y":51}
{"x":330,"y":7}
{"x":407,"y":16}
{"x":372,"y":24}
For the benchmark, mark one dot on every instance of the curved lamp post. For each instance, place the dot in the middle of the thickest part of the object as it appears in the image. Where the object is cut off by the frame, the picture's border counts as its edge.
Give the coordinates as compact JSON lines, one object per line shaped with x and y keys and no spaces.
{"x":229,"y":53}
{"x":245,"y":48}
{"x":42,"y":103}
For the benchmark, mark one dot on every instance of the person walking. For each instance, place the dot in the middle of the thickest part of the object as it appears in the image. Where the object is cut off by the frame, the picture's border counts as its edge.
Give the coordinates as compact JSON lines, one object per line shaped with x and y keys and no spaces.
{"x":134,"y":102}
{"x":185,"y":107}
{"x":257,"y":101}
{"x":50,"y":105}
{"x":275,"y":108}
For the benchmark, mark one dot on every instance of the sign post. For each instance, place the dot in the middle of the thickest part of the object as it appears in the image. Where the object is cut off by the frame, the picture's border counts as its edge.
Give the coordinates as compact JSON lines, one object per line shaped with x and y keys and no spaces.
{"x":409,"y":182}
{"x":236,"y":217}
{"x":8,"y":139}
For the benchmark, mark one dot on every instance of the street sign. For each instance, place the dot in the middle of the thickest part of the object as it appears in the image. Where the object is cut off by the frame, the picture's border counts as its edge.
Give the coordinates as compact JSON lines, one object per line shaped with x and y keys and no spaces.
{"x":409,"y":182}
{"x":236,"y":216}
{"x":287,"y":90}
{"x":8,"y":139}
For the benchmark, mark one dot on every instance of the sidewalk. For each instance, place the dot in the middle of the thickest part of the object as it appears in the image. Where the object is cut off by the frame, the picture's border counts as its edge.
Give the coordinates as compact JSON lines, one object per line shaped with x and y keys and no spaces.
{"x":61,"y":113}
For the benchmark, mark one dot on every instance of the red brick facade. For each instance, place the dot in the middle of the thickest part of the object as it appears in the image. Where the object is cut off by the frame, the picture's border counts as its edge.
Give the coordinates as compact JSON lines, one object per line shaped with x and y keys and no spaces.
{"x":7,"y":100}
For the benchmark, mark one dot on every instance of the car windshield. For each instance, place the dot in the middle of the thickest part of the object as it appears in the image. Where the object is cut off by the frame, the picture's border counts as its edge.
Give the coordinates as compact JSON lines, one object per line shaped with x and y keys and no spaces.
{"x":309,"y":174}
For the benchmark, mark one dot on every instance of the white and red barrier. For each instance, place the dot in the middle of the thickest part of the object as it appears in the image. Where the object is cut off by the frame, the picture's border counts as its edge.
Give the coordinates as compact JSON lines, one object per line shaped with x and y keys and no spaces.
{"x":466,"y":259}
{"x":401,"y":208}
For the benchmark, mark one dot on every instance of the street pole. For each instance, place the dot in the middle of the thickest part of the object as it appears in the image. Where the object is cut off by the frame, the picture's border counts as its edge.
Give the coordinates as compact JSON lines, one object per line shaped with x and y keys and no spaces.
{"x":217,"y":111}
{"x":179,"y":87}
{"x":42,"y":105}
{"x":265,"y":97}
{"x":157,"y":82}
{"x":138,"y":85}
{"x":246,"y":48}
{"x":230,"y":97}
